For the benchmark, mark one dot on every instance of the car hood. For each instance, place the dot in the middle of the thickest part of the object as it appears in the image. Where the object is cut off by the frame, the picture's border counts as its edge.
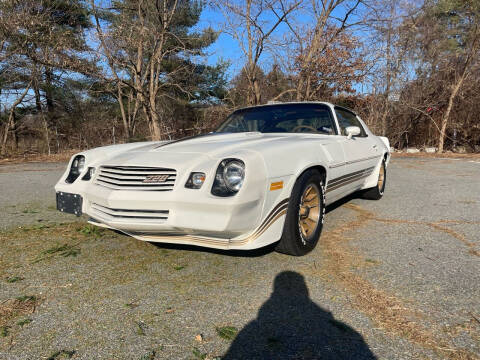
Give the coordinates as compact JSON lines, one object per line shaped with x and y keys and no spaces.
{"x":205,"y":146}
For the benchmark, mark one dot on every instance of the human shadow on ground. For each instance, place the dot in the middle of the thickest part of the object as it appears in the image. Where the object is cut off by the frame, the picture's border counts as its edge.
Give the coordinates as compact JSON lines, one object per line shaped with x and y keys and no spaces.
{"x":290,"y":325}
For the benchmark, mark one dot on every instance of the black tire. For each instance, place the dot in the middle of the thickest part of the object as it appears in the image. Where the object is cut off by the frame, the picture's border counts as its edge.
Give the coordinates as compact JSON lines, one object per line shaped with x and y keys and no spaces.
{"x":377,"y":192}
{"x":293,"y":241}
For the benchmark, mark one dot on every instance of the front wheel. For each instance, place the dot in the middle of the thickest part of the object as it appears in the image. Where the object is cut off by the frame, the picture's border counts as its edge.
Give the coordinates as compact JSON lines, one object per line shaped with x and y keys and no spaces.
{"x":305,"y":215}
{"x":376,"y":192}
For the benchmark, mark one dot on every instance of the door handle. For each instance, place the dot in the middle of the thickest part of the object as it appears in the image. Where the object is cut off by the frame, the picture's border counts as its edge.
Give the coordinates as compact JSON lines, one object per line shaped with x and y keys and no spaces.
{"x":374,"y":146}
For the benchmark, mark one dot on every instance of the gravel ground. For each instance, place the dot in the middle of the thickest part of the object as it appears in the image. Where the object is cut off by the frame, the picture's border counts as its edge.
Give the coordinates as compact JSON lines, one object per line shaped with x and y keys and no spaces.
{"x":27,"y":195}
{"x":392,"y":279}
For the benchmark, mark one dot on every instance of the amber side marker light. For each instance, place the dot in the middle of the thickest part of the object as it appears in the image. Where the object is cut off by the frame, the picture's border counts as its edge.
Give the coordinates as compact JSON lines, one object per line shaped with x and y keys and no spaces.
{"x":276,"y":185}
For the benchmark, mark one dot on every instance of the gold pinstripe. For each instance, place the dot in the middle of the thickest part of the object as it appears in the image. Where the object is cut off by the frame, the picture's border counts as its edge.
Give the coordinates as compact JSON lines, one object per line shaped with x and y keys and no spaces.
{"x":278,"y":211}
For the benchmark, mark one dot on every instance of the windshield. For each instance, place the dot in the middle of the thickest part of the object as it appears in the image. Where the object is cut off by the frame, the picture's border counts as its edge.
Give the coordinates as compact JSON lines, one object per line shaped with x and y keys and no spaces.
{"x":287,"y":118}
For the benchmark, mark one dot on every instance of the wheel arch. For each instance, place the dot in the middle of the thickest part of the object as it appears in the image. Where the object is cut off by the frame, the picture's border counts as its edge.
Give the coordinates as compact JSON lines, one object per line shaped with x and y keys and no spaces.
{"x":318,"y":167}
{"x":386,"y":158}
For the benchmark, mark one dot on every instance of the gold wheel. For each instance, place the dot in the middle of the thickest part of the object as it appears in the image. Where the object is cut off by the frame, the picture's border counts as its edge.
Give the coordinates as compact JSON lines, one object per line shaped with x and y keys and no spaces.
{"x":381,"y":177}
{"x":309,"y":212}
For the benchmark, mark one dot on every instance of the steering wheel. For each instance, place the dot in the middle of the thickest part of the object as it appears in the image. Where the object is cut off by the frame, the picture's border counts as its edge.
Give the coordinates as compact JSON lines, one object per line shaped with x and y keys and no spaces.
{"x":306,"y":127}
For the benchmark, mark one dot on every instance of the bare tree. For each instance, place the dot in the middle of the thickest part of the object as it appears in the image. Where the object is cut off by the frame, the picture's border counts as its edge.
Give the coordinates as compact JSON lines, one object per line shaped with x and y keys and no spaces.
{"x":312,"y":42}
{"x":447,"y":45}
{"x":11,"y":117}
{"x":252,"y":24}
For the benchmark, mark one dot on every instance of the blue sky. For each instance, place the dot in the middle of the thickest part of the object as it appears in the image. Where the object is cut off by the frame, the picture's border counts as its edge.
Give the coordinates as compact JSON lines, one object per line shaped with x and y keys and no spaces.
{"x":225,"y":47}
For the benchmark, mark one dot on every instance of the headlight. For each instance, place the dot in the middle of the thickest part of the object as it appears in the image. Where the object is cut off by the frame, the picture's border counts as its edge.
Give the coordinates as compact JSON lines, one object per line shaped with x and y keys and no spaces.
{"x":229,"y":177}
{"x":78,"y":164}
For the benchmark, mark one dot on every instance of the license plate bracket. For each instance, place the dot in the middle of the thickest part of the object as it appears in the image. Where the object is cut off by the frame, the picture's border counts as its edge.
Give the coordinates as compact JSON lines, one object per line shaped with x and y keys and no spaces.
{"x":69,"y":203}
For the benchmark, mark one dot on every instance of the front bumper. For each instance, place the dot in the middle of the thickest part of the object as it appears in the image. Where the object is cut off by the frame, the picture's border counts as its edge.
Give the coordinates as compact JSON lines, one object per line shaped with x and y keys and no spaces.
{"x":170,"y":213}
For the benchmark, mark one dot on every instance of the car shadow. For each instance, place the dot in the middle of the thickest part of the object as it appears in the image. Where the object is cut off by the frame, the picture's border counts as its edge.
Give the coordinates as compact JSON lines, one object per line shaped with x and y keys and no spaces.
{"x":289,"y":325}
{"x":248,"y":253}
{"x":234,"y":253}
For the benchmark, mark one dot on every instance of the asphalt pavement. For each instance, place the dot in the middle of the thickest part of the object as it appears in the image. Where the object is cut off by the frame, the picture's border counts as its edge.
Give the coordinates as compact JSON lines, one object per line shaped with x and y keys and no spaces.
{"x":397,"y":278}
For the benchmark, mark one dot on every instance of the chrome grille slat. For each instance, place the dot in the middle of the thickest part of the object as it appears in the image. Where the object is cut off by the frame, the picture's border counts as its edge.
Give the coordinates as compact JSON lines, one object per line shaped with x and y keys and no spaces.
{"x":133,"y":177}
{"x":134,"y":169}
{"x":133,"y":184}
{"x":129,"y":214}
{"x":130,"y":182}
{"x":139,"y":173}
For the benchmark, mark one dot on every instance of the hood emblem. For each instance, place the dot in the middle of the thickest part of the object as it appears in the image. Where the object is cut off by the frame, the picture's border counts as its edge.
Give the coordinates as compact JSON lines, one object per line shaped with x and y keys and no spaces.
{"x":155,"y":179}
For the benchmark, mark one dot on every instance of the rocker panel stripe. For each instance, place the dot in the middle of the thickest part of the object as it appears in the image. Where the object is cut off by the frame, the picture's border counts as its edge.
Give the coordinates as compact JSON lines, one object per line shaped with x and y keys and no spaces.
{"x":341,"y":181}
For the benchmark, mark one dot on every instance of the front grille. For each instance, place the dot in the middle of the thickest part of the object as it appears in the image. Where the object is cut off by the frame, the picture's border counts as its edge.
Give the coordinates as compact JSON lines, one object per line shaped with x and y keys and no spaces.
{"x":136,"y":178}
{"x":129,"y":214}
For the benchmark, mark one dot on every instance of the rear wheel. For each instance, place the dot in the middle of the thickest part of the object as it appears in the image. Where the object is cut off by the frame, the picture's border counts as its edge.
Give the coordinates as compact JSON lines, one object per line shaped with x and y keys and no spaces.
{"x":376,"y":192}
{"x":305,"y":215}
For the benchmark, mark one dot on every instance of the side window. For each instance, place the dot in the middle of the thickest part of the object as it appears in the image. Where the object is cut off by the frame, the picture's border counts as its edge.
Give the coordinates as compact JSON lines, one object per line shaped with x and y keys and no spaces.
{"x":346,"y":118}
{"x":308,"y":120}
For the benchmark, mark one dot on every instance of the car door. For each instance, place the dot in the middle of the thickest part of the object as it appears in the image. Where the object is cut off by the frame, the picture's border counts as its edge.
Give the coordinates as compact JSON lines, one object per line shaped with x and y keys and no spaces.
{"x":361,"y":152}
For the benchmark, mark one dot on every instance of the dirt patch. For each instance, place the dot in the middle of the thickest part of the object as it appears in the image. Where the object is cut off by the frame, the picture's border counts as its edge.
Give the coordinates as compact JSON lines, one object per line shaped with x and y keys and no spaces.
{"x":13,"y":308}
{"x":389,"y":312}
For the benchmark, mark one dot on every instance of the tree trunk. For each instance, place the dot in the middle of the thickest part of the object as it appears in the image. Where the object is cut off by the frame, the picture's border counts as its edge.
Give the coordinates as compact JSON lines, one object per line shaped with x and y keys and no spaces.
{"x":15,"y":133}
{"x":48,"y":90}
{"x":258,"y":94}
{"x":47,"y":137}
{"x":153,"y":124}
{"x":156,"y":132}
{"x":446,"y":116}
{"x":38,"y":106}
{"x":383,"y":122}
{"x":11,"y":118}
{"x":126,"y":127}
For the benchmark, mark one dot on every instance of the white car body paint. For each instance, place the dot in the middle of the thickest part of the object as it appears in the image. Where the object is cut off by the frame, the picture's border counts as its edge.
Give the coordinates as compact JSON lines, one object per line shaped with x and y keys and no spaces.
{"x":252,"y":218}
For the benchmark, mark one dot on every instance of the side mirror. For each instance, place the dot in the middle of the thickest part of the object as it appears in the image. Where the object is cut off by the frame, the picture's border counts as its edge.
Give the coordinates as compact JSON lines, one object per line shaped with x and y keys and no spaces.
{"x":352,"y":131}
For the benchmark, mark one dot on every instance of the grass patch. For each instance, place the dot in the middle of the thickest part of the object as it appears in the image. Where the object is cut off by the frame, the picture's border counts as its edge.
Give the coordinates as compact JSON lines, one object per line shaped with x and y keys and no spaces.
{"x":66,"y":354}
{"x":25,"y":298}
{"x":149,"y":356}
{"x":4,"y":331}
{"x":35,"y":227}
{"x":140,"y":330}
{"x":198,"y":354}
{"x":91,"y":230}
{"x":14,"y":279}
{"x":30,"y":211}
{"x":64,"y":250}
{"x":131,"y":305}
{"x":24,"y":322}
{"x":227,"y":332}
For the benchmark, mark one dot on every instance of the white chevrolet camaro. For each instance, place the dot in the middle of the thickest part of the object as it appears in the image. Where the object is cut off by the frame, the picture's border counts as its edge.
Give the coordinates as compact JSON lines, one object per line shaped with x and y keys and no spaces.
{"x":264,"y":176}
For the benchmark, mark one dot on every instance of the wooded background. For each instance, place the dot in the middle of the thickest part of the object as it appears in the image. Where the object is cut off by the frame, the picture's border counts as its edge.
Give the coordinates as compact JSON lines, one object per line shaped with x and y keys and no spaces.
{"x":76,"y":74}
